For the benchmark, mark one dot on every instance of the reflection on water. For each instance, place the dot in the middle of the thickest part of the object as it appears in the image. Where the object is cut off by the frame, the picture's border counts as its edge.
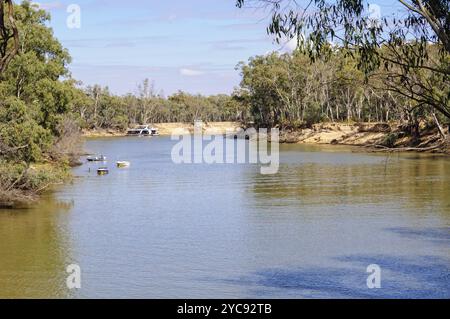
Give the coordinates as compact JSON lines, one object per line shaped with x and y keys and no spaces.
{"x":422,"y":277}
{"x":34,"y":251}
{"x":163,"y":230}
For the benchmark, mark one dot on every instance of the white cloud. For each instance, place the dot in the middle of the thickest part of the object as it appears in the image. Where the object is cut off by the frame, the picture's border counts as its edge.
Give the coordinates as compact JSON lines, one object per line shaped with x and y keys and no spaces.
{"x":190,"y":72}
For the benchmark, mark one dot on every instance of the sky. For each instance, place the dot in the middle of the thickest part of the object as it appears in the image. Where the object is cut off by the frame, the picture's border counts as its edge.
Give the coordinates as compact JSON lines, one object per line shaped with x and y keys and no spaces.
{"x":189,"y":45}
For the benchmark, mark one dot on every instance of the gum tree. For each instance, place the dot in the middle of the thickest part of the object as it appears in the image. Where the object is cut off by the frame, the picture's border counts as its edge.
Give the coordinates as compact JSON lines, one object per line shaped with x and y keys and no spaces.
{"x":9,"y":34}
{"x":411,"y":52}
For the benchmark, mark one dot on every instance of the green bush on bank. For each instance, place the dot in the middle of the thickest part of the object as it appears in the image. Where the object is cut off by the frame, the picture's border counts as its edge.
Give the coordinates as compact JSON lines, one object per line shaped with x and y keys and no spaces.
{"x":21,"y":137}
{"x":38,"y":137}
{"x":21,"y":183}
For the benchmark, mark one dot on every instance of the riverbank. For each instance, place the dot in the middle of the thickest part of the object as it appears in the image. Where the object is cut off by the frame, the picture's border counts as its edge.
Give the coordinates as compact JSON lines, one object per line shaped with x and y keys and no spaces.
{"x":371,"y":136}
{"x":21,"y":185}
{"x":167,"y":129}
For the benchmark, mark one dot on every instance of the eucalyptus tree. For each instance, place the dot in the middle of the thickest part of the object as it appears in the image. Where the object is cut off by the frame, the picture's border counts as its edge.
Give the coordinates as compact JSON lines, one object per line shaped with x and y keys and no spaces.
{"x":38,"y":74}
{"x":401,"y":44}
{"x":36,"y":95}
{"x":262,"y":93}
{"x":146,"y":101}
{"x":9,"y":34}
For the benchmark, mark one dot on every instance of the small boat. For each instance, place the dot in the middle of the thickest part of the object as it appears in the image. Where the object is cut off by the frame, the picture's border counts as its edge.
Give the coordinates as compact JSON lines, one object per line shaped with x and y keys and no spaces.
{"x":100,"y":158}
{"x":102,"y":171}
{"x":123,"y":164}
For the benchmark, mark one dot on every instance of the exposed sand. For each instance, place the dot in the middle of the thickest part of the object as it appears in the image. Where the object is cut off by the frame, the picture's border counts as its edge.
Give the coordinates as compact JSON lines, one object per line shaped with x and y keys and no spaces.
{"x":102,"y":133}
{"x":212,"y":128}
{"x":168,"y":129}
{"x":357,"y":134}
{"x":341,"y":133}
{"x":372,"y":135}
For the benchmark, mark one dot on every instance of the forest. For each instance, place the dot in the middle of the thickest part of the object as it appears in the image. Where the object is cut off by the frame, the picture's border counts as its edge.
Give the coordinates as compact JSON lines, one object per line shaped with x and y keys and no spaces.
{"x":43,"y":109}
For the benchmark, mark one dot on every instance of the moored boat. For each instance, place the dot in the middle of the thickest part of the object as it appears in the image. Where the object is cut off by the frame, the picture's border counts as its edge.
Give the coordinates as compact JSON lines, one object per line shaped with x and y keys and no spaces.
{"x":100,"y":158}
{"x":103,"y":171}
{"x":143,"y":130}
{"x":123,"y":164}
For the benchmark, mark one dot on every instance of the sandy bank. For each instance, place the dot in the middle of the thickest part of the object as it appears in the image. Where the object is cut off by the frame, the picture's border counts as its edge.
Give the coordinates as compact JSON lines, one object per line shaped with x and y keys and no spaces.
{"x":381,"y":136}
{"x":102,"y":133}
{"x":377,"y":135}
{"x":211,"y":128}
{"x":167,"y":129}
{"x":339,"y":133}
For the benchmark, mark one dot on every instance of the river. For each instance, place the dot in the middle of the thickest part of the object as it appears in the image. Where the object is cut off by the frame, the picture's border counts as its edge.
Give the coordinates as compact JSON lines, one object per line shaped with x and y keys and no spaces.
{"x":162,"y":230}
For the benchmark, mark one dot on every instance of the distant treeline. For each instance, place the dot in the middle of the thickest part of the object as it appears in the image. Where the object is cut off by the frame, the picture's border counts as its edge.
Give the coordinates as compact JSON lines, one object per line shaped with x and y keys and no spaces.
{"x":97,"y":108}
{"x":363,"y":67}
{"x":287,"y":91}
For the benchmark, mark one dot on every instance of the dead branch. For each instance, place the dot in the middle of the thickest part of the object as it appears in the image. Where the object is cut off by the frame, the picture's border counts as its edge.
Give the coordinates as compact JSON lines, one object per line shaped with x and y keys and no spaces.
{"x":382,"y":148}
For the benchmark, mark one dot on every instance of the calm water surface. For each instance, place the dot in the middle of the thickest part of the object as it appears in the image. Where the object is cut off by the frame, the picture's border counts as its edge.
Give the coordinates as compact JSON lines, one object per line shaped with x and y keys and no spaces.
{"x":160,"y":230}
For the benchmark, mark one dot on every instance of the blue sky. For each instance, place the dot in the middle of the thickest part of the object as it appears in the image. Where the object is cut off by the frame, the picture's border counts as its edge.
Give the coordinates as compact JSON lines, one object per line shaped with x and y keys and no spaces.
{"x":190,"y":45}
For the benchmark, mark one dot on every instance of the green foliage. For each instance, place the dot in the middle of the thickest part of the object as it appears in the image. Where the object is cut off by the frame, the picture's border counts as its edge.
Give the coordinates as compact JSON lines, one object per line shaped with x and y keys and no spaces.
{"x":36,"y":94}
{"x":21,"y":137}
{"x":390,"y":140}
{"x":400,"y":44}
{"x":20,"y":182}
{"x":9,"y":34}
{"x":292,"y":90}
{"x":97,"y":108}
{"x":34,"y":75}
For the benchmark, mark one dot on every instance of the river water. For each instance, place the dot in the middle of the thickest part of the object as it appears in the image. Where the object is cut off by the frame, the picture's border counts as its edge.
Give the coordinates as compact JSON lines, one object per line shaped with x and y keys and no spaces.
{"x":162,"y":230}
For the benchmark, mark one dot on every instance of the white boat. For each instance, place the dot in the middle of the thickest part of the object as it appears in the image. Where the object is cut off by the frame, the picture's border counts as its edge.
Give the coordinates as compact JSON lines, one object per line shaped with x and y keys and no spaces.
{"x":123,"y":164}
{"x":100,"y":158}
{"x":143,"y":130}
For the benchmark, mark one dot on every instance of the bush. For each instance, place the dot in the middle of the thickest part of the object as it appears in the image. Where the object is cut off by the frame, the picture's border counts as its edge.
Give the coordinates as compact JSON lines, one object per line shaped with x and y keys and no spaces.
{"x":68,"y":145}
{"x":21,"y":183}
{"x":390,"y":140}
{"x":21,"y":138}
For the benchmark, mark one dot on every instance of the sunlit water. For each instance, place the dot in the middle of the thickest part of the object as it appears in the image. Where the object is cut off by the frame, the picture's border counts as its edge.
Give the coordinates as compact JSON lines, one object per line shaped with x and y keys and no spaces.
{"x":161,"y":230}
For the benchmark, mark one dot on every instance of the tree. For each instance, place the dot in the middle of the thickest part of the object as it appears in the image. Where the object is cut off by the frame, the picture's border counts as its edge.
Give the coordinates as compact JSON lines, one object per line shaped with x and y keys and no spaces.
{"x":37,"y":133}
{"x":146,"y":96}
{"x":9,"y":34}
{"x":400,"y":44}
{"x":21,"y":137}
{"x":34,"y":75}
{"x":293,"y":90}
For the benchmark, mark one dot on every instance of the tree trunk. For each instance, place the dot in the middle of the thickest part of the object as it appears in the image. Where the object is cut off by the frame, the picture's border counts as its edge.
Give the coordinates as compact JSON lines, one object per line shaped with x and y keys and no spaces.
{"x":441,"y":130}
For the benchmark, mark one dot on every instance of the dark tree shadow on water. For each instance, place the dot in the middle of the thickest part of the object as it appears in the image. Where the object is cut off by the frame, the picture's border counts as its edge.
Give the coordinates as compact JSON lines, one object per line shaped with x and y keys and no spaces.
{"x":440,"y":236}
{"x":423,"y":277}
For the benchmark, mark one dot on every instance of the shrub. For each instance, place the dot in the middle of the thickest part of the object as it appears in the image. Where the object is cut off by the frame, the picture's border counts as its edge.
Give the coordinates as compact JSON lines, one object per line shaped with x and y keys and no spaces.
{"x":390,"y":140}
{"x":21,"y":138}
